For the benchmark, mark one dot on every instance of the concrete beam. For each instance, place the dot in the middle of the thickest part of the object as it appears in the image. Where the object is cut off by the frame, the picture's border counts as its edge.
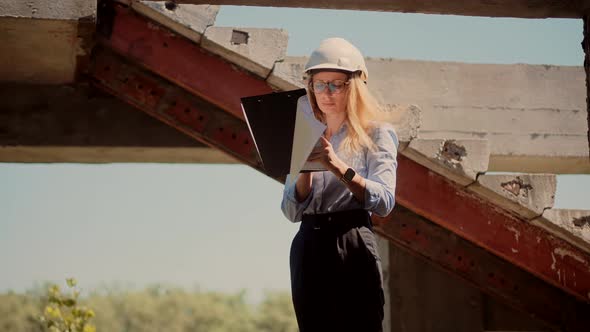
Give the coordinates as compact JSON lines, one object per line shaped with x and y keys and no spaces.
{"x":458,"y":160}
{"x":112,"y":154}
{"x":534,"y":116}
{"x":190,"y":21}
{"x":525,"y":194}
{"x":502,"y":8}
{"x":571,"y":225}
{"x":48,"y":123}
{"x":256,"y":50}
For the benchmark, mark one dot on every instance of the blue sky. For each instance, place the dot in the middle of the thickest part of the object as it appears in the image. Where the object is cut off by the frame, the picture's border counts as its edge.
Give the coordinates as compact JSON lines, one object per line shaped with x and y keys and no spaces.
{"x":220,"y":226}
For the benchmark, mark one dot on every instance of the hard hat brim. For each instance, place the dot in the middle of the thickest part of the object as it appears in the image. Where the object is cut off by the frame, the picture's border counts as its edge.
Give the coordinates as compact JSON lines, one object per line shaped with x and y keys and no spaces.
{"x":334,"y":67}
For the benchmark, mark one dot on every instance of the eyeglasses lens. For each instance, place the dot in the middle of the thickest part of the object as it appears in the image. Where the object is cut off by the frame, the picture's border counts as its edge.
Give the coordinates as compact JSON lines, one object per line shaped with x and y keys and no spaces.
{"x":334,"y":86}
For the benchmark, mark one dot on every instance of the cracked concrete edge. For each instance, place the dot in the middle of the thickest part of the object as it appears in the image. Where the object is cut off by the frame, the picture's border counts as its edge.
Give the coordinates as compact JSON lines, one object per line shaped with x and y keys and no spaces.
{"x":458,"y":160}
{"x":406,"y":119}
{"x":288,"y":75}
{"x":527,"y":195}
{"x":190,"y":21}
{"x":570,"y":225}
{"x":254,"y":49}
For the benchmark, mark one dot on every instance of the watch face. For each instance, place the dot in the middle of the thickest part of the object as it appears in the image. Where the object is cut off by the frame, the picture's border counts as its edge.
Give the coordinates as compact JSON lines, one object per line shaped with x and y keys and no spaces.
{"x":349,"y":175}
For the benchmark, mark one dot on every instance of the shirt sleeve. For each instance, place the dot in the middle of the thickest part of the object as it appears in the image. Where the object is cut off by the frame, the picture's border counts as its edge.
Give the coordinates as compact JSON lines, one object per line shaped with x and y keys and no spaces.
{"x":292,"y":209}
{"x":381,"y":175}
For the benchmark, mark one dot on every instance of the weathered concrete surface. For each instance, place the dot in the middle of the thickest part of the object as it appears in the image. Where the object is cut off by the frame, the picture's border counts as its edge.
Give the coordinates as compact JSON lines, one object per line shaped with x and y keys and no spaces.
{"x":459,"y":160}
{"x":500,"y":8}
{"x":42,"y":51}
{"x":57,"y":10}
{"x":534,"y":116}
{"x":525,"y":194}
{"x":256,"y":50}
{"x":187,"y":20}
{"x":46,"y":123}
{"x":42,"y":41}
{"x":571,"y":225}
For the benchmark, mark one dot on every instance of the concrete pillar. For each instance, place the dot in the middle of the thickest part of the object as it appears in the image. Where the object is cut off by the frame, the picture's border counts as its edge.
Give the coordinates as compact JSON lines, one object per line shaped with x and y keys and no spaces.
{"x":586,"y":47}
{"x":383,"y":246}
{"x":423,"y":298}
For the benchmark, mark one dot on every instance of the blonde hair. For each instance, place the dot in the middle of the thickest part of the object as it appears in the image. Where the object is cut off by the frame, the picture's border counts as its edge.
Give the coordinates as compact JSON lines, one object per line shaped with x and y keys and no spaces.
{"x":362,"y":111}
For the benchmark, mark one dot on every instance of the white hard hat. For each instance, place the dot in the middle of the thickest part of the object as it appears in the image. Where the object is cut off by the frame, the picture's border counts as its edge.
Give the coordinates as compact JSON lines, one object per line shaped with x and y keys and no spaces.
{"x":339,"y":54}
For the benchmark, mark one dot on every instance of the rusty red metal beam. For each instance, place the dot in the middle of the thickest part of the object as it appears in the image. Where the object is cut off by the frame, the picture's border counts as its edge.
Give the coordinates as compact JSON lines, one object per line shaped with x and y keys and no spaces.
{"x":174,"y":106}
{"x":464,"y":213}
{"x":181,"y":61}
{"x":491,"y":274}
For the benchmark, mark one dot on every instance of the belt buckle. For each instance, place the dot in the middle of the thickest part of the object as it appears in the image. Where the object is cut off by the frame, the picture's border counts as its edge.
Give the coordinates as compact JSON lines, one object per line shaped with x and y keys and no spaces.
{"x":316,"y":225}
{"x":317,"y":222}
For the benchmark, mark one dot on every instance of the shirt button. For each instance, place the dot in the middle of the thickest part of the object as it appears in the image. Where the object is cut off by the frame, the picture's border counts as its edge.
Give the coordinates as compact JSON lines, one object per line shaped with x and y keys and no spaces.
{"x":329,"y":218}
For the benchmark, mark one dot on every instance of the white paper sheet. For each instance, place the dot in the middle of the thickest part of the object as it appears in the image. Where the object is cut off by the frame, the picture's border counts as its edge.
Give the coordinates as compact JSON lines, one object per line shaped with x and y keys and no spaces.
{"x":307,"y":133}
{"x":251,"y":132}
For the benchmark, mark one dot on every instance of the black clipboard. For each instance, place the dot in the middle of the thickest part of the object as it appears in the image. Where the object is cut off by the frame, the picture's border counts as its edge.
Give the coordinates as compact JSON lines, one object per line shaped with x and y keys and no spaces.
{"x":271,"y":119}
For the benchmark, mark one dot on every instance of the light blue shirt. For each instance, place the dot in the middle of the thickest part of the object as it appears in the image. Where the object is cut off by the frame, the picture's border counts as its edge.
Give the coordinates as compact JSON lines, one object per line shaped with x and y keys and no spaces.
{"x":329,"y":194}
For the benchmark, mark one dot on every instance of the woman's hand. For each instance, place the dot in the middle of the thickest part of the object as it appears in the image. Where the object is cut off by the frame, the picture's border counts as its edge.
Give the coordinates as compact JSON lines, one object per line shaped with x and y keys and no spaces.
{"x":327,"y":157}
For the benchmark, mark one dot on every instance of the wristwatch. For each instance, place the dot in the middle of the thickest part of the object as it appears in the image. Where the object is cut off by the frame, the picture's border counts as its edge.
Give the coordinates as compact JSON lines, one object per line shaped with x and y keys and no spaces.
{"x":348,"y":176}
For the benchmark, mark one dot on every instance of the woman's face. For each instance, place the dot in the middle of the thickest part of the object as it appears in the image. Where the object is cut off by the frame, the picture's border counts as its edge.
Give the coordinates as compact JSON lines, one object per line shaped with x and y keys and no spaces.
{"x":330,"y":102}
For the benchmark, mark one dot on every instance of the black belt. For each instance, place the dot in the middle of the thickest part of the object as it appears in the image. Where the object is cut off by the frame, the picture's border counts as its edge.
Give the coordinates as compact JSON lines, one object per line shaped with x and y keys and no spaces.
{"x":336,"y":221}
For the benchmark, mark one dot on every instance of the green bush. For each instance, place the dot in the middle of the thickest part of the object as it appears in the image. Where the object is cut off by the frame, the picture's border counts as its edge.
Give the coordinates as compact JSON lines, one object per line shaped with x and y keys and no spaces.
{"x":62,"y":312}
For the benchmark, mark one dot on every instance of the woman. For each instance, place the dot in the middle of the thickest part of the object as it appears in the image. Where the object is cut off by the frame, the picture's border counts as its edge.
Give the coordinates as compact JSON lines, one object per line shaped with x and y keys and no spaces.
{"x":335,"y":268}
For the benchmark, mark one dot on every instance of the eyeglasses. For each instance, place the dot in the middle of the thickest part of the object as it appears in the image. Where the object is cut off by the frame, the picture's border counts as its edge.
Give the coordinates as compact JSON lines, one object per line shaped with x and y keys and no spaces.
{"x":335,"y":86}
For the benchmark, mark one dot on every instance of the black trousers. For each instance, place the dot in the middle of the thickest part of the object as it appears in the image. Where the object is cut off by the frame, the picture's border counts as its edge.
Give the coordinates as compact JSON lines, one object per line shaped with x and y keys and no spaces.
{"x":336,"y":280}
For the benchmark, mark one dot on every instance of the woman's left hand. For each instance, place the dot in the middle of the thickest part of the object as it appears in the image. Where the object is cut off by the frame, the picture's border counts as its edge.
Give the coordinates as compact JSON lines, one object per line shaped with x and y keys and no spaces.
{"x":327,"y":157}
